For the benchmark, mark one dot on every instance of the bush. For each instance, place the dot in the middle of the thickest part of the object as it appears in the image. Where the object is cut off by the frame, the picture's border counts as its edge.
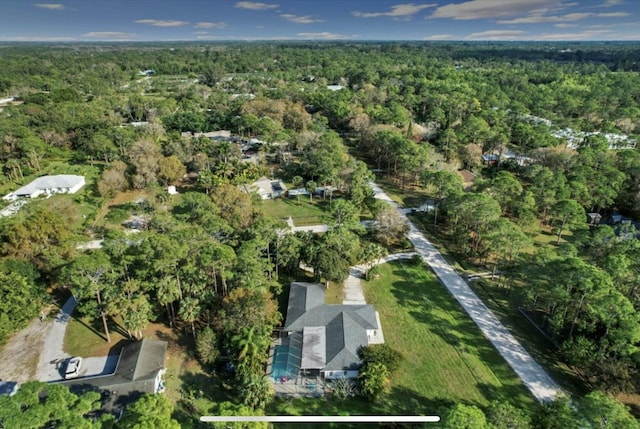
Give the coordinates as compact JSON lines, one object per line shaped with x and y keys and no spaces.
{"x":342,"y":388}
{"x":373,"y":380}
{"x":117,"y":215}
{"x":380,"y":353}
{"x":206,"y":345}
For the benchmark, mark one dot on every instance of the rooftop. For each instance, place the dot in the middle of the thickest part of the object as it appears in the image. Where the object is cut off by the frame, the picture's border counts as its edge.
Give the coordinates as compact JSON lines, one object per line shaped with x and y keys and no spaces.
{"x":332,"y":334}
{"x":136,"y":373}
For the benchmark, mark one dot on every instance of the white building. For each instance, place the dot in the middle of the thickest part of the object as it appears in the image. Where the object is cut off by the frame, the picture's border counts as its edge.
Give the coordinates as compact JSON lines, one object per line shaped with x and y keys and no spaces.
{"x":48,"y":185}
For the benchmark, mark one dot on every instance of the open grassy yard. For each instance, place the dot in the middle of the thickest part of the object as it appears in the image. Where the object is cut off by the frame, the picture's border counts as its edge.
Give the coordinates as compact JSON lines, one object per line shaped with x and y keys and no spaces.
{"x":304,"y":212}
{"x":446,"y":355}
{"x":413,"y":196}
{"x":447,"y":360}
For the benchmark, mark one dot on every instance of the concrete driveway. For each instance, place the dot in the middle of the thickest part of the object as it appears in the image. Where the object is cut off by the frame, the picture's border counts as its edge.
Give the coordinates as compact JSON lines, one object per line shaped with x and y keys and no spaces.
{"x":52,"y":360}
{"x":530,"y":372}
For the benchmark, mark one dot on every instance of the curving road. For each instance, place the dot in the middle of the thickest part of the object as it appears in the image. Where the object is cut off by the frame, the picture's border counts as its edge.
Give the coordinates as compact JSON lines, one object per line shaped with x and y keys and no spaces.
{"x":530,"y":372}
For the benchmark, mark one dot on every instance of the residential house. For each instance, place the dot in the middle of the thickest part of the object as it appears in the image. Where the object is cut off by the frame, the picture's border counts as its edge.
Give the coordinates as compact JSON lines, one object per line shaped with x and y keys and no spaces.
{"x":322,"y":340}
{"x":139,"y":370}
{"x":267,"y":188}
{"x":48,"y":185}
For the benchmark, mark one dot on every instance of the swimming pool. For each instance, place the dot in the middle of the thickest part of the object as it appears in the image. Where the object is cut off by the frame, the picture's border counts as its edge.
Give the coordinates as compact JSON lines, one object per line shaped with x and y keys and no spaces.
{"x":285,"y":362}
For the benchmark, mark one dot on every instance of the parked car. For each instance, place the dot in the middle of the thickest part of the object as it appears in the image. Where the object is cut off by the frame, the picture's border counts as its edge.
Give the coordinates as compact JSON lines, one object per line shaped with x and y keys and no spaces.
{"x":73,"y":367}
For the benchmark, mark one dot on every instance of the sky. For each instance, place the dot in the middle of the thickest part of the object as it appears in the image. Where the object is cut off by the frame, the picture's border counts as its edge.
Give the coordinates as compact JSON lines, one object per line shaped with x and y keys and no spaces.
{"x":224,"y":20}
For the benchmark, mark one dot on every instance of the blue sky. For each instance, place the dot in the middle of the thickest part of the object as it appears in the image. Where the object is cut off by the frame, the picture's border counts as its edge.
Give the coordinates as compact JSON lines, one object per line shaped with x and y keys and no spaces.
{"x":150,"y":20}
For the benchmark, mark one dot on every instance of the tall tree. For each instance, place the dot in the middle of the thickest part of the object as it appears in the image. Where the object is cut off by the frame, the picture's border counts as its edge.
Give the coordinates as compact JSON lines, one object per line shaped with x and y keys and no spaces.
{"x":149,"y":411}
{"x":567,"y":214}
{"x":145,"y":156}
{"x":390,"y":226}
{"x":445,"y":184}
{"x":39,"y":405}
{"x":170,"y":169}
{"x":113,"y":180}
{"x":90,"y":276}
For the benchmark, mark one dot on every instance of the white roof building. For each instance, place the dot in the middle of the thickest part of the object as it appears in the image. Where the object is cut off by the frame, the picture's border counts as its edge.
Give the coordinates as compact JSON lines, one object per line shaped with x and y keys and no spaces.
{"x":266,"y":188}
{"x":48,"y":185}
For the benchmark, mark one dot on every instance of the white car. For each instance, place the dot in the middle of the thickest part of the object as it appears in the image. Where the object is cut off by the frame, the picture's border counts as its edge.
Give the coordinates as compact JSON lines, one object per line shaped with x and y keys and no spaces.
{"x":73,"y":367}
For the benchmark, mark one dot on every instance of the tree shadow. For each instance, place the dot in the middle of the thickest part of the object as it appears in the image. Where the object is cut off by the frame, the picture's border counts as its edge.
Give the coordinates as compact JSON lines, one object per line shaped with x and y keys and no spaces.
{"x":430,"y":304}
{"x":94,"y":325}
{"x":399,"y":401}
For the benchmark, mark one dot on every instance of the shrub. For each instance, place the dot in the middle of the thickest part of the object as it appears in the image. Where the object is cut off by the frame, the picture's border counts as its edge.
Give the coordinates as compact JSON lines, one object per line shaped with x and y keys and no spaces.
{"x":380,"y":353}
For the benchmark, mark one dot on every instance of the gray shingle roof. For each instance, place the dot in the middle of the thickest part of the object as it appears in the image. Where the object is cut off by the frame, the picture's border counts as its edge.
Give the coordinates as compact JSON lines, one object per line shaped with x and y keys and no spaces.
{"x":135,"y":374}
{"x":345,"y":325}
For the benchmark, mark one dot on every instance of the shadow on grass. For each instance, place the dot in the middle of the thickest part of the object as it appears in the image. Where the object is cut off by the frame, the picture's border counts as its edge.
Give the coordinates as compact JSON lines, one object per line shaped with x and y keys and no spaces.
{"x":430,"y":304}
{"x":94,"y":325}
{"x":198,"y":394}
{"x":399,"y":401}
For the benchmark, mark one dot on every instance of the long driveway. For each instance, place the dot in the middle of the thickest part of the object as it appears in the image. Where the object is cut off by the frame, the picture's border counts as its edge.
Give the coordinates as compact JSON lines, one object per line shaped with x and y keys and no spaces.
{"x":530,"y":372}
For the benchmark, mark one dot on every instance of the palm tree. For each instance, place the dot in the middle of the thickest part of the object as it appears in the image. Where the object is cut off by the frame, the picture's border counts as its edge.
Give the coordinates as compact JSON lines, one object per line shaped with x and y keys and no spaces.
{"x":190,"y":311}
{"x":256,"y":391}
{"x":311,"y":187}
{"x":371,"y":255}
{"x":250,"y":342}
{"x":136,"y":315}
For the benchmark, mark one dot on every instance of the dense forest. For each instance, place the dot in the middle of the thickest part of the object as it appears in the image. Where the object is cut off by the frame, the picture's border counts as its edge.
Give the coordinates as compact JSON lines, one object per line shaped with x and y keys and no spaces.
{"x":213,"y":264}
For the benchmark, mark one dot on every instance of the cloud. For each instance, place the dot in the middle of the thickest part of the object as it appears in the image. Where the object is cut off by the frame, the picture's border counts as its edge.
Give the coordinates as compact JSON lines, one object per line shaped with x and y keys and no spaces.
{"x":50,"y":6}
{"x":110,"y":34}
{"x":610,"y":3}
{"x":497,"y":35}
{"x":211,"y":25}
{"x":616,"y":25}
{"x":537,"y":19}
{"x":300,"y":19}
{"x":162,"y":22}
{"x":322,"y":35}
{"x":255,"y":6}
{"x":480,"y":9}
{"x":439,"y":37}
{"x":565,"y":25}
{"x":397,"y":11}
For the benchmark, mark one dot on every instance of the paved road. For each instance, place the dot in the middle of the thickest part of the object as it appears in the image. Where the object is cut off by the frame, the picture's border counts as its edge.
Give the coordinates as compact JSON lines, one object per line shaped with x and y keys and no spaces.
{"x":530,"y":372}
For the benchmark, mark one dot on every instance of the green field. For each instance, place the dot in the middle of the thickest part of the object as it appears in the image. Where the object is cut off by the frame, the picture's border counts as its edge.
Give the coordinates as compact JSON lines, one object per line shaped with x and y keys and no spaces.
{"x":447,"y":360}
{"x":303,"y":212}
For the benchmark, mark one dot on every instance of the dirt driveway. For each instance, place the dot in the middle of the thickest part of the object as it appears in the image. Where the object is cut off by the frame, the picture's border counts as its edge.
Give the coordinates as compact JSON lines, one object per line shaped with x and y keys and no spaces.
{"x":33,"y":353}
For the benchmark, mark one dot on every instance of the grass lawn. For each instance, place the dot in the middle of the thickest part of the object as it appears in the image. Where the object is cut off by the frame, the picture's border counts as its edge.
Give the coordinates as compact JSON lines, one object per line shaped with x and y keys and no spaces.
{"x":303,"y":213}
{"x":335,"y":293}
{"x":447,"y":360}
{"x":412,"y":196}
{"x":446,"y":355}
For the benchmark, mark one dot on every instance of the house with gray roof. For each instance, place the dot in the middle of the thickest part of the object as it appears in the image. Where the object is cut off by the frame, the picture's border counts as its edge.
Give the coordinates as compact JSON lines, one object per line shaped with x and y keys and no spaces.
{"x":323,"y":339}
{"x":48,"y":185}
{"x":139,"y":370}
{"x":266,"y":188}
